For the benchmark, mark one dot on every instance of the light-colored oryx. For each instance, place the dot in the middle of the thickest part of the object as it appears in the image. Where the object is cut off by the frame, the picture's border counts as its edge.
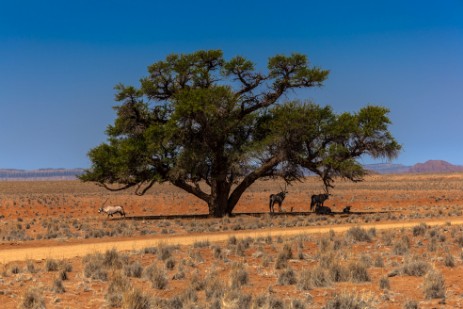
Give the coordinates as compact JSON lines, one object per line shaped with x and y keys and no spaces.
{"x":111,"y":210}
{"x":277,"y":198}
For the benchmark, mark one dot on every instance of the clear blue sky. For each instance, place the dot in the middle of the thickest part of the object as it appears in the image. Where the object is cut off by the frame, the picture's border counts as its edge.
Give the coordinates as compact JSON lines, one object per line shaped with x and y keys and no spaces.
{"x":59,"y":61}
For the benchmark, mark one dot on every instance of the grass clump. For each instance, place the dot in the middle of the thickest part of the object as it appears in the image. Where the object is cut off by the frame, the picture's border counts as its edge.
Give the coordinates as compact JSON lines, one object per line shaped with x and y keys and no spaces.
{"x":358,"y":272}
{"x":58,"y":286}
{"x":415,"y":268}
{"x":156,"y":276}
{"x":135,"y":299}
{"x":311,"y":278}
{"x":348,"y":301}
{"x":434,"y":285}
{"x":51,"y":265}
{"x":32,"y":299}
{"x":116,"y":289}
{"x":238,"y":276}
{"x":94,"y":268}
{"x":358,"y":234}
{"x":287,"y":277}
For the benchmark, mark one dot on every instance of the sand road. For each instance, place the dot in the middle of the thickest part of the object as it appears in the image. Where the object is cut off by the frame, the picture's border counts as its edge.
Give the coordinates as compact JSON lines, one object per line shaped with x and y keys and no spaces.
{"x":25,"y":251}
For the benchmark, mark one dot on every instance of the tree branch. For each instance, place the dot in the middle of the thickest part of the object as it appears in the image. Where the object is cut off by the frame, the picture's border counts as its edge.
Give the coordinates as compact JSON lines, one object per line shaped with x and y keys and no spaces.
{"x":250,"y":179}
{"x":195,"y":190}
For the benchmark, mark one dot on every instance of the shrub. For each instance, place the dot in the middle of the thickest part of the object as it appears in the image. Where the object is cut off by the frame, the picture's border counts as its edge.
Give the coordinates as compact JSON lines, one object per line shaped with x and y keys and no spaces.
{"x":15,"y":269}
{"x":358,"y":272}
{"x":317,"y":277}
{"x":378,"y":261}
{"x":348,"y":301}
{"x":232,"y":240}
{"x":180,"y":274}
{"x":297,"y":304}
{"x":239,"y":276}
{"x":32,"y":299}
{"x":287,"y":277}
{"x":93,"y":267}
{"x":411,"y":304}
{"x":51,"y":265}
{"x":201,"y":244}
{"x":283,"y":257}
{"x":449,"y":261}
{"x":197,"y":283}
{"x":170,"y":263}
{"x":236,"y":299}
{"x":112,"y":259}
{"x":63,"y":275}
{"x":150,"y":250}
{"x":338,"y":273}
{"x":215,"y":288}
{"x":217,"y":251}
{"x":135,"y":299}
{"x":58,"y":286}
{"x":415,"y":268}
{"x":358,"y":234}
{"x":116,"y":289}
{"x":164,"y":251}
{"x":434,"y":285}
{"x":420,"y":230}
{"x":134,"y":270}
{"x":31,"y":267}
{"x":156,"y":276}
{"x":401,"y":247}
{"x":384,"y":283}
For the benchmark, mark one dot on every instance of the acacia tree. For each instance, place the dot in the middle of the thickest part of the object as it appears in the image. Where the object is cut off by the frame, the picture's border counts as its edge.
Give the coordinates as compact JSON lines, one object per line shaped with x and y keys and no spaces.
{"x":213,"y":127}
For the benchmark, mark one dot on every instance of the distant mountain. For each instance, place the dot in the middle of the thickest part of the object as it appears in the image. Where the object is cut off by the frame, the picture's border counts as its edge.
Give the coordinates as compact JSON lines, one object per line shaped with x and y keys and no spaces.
{"x":435,"y":166}
{"x":431,"y":166}
{"x":41,"y":174}
{"x":387,"y":168}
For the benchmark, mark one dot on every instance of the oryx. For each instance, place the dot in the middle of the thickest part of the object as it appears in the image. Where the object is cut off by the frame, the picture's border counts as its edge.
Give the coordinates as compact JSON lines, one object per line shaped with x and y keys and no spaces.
{"x":277,"y":198}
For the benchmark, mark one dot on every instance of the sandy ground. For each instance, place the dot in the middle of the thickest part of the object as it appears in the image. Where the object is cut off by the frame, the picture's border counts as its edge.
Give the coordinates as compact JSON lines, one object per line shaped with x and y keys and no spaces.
{"x":43,"y":221}
{"x":24,"y":251}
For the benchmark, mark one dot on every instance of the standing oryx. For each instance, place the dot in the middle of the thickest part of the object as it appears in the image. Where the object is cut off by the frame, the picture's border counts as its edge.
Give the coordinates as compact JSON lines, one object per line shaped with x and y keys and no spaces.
{"x":277,"y":198}
{"x":111,"y":210}
{"x":317,"y":201}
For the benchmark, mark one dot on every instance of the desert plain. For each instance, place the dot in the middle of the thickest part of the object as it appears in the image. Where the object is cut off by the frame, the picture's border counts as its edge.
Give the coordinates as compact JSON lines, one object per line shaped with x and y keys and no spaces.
{"x":399,"y":247}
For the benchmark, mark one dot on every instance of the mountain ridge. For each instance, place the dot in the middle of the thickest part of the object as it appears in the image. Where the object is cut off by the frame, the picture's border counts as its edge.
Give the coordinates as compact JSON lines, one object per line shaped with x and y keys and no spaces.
{"x":430,"y":166}
{"x":41,"y":174}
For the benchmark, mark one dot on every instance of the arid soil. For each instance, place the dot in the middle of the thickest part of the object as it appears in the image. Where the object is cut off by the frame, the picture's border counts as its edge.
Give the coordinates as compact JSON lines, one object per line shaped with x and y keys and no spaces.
{"x":410,"y":221}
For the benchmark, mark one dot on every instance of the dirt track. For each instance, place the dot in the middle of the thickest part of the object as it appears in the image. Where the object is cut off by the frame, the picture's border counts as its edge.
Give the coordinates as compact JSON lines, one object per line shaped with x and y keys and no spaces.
{"x":25,"y":251}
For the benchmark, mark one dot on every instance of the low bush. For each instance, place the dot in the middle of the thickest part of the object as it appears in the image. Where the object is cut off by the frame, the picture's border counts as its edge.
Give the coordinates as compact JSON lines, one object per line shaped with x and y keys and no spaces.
{"x":32,"y":299}
{"x":156,"y":276}
{"x":434,"y":285}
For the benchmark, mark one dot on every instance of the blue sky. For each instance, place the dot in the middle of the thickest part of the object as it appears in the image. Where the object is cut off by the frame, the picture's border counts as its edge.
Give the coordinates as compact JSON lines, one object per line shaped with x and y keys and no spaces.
{"x":59,"y":62}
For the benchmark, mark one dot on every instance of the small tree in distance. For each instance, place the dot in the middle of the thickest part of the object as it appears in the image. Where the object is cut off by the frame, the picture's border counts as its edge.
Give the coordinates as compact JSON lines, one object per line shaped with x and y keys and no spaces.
{"x":213,"y":127}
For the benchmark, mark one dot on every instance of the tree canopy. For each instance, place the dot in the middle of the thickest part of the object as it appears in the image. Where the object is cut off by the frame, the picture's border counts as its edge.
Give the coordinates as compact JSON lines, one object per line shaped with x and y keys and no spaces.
{"x":212,"y":127}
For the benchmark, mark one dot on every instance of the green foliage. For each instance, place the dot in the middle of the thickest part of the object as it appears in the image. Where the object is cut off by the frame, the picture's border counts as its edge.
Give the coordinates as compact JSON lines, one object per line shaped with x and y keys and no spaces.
{"x":198,"y":118}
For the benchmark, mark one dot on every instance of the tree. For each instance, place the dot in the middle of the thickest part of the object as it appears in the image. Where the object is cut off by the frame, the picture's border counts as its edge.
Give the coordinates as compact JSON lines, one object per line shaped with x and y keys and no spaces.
{"x":213,"y":127}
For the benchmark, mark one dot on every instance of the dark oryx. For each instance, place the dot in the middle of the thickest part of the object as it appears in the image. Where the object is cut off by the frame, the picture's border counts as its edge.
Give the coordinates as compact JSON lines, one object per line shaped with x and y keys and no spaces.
{"x":317,"y":201}
{"x":323,"y":210}
{"x":277,"y":198}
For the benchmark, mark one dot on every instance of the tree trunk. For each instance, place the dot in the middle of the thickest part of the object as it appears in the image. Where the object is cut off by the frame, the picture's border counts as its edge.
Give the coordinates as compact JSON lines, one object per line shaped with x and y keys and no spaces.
{"x":218,"y":201}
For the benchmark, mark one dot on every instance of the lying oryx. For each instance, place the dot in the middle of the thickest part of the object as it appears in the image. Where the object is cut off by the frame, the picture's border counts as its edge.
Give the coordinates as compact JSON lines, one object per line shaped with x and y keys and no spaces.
{"x":111,"y":210}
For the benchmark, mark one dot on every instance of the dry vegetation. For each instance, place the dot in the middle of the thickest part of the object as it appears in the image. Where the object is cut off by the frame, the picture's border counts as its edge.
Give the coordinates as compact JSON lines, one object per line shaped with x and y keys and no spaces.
{"x":418,"y":267}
